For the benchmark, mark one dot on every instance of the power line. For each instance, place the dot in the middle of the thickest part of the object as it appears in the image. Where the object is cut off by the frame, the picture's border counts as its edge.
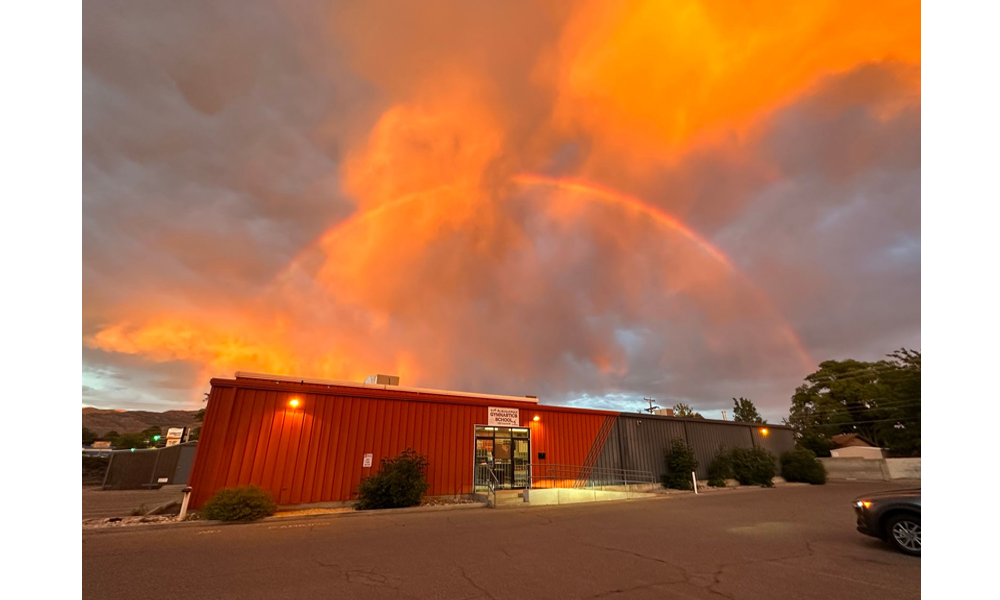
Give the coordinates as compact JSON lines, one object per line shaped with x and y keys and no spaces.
{"x":901,"y":420}
{"x":859,"y":374}
{"x":848,"y":409}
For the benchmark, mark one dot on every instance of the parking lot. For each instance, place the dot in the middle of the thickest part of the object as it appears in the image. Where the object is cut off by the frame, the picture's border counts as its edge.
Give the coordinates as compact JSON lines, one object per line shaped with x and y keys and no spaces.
{"x":794,"y":542}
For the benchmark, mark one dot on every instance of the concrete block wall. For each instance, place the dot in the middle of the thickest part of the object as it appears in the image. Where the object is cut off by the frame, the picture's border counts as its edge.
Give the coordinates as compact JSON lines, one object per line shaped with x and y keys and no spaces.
{"x":871,"y":469}
{"x":903,"y":468}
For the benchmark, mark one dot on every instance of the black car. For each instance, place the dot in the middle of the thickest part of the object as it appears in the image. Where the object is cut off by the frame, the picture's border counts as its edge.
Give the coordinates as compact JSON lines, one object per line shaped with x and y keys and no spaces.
{"x":891,"y":516}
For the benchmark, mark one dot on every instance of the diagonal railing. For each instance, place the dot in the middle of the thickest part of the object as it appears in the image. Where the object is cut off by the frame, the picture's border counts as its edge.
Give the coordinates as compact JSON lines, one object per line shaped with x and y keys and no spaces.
{"x":485,"y":475}
{"x":577,"y":476}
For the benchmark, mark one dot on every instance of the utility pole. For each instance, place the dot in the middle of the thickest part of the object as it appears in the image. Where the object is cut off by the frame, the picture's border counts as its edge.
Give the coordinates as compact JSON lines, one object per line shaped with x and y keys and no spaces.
{"x":723,"y":415}
{"x":652,"y":407}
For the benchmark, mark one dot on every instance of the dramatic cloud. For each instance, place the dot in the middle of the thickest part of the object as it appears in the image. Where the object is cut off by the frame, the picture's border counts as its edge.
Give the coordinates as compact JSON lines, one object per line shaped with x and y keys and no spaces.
{"x":687,"y":200}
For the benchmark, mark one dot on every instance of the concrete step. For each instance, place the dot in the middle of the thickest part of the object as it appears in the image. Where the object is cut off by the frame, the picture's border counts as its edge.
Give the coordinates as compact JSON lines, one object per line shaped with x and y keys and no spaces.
{"x":510,"y":499}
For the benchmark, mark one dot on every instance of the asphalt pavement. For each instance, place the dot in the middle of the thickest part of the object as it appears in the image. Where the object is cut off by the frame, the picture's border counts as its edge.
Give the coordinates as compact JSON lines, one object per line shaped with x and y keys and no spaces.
{"x":795,"y":542}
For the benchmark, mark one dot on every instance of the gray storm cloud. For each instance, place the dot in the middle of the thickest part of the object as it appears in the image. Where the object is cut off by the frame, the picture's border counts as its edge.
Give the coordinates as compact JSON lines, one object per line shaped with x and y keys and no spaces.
{"x":231,"y":150}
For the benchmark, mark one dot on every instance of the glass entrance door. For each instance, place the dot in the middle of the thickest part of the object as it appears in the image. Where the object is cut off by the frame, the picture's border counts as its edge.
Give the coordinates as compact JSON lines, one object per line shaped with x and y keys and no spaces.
{"x":506,"y":450}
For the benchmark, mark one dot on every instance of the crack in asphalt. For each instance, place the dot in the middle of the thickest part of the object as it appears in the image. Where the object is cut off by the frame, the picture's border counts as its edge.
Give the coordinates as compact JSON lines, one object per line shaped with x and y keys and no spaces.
{"x":645,"y":586}
{"x":482,"y":590}
{"x":369,"y":577}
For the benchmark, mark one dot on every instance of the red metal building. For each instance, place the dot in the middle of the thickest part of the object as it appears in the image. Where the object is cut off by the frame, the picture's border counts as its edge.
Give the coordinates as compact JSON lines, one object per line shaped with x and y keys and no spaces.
{"x":309,"y":441}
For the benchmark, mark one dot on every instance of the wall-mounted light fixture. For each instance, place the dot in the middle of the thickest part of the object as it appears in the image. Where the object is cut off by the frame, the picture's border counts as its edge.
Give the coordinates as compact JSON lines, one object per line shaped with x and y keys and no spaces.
{"x":537,"y":419}
{"x":294,"y":403}
{"x":764,"y":432}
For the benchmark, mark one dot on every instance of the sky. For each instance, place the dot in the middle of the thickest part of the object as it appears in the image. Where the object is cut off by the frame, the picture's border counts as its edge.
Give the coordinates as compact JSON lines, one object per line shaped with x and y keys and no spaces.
{"x":590,"y":202}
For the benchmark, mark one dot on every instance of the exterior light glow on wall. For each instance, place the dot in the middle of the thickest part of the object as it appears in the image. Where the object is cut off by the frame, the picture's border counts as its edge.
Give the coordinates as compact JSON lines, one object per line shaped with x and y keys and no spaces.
{"x":294,"y":402}
{"x":764,"y":432}
{"x":537,"y":418}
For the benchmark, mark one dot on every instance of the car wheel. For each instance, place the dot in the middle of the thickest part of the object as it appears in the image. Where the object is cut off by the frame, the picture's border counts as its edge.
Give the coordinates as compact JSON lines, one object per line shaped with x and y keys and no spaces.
{"x":903,"y":532}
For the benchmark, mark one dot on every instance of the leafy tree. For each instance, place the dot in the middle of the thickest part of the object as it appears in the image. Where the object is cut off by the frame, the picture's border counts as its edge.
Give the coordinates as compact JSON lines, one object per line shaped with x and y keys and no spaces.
{"x":745,"y":412}
{"x":110,"y":436}
{"x":879,"y":401}
{"x":131,"y":440}
{"x":683,"y":410}
{"x":89,"y":437}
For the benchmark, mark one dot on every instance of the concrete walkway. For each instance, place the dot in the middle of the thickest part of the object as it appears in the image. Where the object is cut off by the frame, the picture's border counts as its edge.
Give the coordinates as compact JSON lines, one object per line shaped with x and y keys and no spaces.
{"x":100,"y":504}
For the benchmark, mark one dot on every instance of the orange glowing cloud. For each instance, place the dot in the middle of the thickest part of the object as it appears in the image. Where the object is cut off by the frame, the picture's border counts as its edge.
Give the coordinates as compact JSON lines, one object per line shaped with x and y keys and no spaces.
{"x":516,"y":226}
{"x":664,"y":74}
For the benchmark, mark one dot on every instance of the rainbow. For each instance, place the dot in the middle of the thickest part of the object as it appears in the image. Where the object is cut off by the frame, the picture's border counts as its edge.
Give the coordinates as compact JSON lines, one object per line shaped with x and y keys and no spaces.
{"x":612,"y":197}
{"x":590,"y":192}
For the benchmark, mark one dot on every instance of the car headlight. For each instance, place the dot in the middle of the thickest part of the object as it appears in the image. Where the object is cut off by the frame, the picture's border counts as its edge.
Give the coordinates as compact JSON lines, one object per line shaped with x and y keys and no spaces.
{"x":863,"y":504}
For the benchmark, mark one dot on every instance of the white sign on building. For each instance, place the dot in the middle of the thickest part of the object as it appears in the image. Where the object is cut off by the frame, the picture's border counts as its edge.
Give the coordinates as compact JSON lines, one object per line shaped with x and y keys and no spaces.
{"x":504,"y":417}
{"x":368,"y":461}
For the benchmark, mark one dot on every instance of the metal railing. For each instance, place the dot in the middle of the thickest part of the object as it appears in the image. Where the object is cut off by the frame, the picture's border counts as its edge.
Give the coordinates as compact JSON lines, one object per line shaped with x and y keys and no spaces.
{"x":580,"y":476}
{"x":485,"y":476}
{"x":548,"y":475}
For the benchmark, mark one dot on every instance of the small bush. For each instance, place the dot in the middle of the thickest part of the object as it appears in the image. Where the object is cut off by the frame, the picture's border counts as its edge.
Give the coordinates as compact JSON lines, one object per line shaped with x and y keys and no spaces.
{"x":801,"y":464}
{"x":680,"y":462}
{"x":239,"y":504}
{"x":753,"y":466}
{"x":400,"y":482}
{"x":720,"y":469}
{"x":140,"y":511}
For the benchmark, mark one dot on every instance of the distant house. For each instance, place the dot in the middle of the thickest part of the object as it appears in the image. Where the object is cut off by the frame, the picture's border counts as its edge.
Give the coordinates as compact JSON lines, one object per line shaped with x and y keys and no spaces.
{"x":852,"y":445}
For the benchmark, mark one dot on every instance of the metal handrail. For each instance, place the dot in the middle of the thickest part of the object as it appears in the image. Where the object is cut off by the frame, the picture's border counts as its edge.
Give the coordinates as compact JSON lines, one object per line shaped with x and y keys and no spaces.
{"x":492,"y":483}
{"x":583,"y":476}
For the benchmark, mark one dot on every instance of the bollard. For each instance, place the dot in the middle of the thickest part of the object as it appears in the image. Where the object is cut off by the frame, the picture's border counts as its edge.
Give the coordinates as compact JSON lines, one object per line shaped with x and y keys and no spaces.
{"x":184,"y":503}
{"x":694,"y":480}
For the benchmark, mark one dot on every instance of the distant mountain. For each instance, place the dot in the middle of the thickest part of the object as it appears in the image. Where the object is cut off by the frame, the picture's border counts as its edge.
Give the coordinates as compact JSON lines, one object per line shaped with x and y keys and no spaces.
{"x":101,"y":421}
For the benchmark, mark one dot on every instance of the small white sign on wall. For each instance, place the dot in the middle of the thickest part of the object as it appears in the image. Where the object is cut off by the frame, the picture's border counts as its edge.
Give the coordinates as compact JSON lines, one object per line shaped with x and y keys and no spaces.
{"x":504,"y":417}
{"x":368,"y":461}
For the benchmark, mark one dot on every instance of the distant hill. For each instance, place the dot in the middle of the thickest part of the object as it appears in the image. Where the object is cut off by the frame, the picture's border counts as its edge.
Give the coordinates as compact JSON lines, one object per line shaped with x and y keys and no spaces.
{"x":101,"y":421}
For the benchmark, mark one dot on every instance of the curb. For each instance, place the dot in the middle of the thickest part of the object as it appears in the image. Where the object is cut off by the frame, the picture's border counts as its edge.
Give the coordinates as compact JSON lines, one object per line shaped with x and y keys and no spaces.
{"x":273,"y":520}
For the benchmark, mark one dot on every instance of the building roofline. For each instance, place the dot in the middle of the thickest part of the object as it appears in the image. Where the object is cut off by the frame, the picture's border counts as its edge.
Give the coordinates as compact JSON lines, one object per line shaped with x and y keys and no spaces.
{"x":703,"y":420}
{"x":392,"y":392}
{"x":377,"y":386}
{"x":265,"y":381}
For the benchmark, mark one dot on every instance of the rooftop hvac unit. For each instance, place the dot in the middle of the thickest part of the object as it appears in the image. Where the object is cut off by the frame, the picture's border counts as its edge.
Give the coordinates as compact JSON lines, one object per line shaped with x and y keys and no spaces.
{"x":383,"y":379}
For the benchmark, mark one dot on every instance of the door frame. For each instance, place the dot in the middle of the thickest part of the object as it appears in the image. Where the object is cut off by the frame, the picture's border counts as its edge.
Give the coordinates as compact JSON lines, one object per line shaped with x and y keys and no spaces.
{"x":475,"y":437}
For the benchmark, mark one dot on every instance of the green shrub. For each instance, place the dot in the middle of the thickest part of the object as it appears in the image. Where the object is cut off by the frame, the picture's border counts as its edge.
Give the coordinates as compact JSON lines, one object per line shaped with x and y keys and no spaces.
{"x":801,"y":464}
{"x":400,"y":482}
{"x":721,"y":468}
{"x":239,"y":504}
{"x":680,"y":462}
{"x":753,"y":466}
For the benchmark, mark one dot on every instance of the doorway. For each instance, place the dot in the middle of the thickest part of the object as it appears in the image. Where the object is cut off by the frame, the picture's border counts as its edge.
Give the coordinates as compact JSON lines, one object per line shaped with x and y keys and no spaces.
{"x":507,"y":451}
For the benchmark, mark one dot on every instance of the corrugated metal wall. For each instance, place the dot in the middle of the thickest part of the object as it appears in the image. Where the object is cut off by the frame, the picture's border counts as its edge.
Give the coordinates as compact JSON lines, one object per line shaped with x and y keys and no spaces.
{"x":707,"y":438}
{"x":315,"y":453}
{"x":639,"y":442}
{"x":141,"y":469}
{"x":777,"y":442}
